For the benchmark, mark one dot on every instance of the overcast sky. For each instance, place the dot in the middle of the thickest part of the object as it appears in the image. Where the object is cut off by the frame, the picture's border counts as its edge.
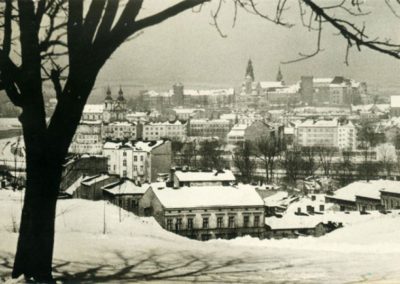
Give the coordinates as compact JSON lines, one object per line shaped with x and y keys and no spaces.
{"x":188,"y":49}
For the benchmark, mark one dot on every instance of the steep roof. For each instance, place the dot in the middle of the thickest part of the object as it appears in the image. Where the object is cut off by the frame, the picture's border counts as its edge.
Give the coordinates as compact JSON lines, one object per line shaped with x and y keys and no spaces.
{"x":208,"y":196}
{"x":125,"y":187}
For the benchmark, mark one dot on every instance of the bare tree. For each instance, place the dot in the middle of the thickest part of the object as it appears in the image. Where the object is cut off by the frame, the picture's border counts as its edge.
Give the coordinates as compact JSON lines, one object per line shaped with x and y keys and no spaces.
{"x":309,"y":163}
{"x":48,"y":33}
{"x":325,"y":155}
{"x":243,"y":160}
{"x":211,"y":154}
{"x":267,"y":149}
{"x":292,"y":162}
{"x":386,"y":155}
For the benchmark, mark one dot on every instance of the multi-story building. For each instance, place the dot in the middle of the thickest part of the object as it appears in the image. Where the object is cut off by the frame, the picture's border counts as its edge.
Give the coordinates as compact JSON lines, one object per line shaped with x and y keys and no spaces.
{"x":138,"y":160}
{"x":317,"y":133}
{"x":326,"y":133}
{"x":209,"y":128}
{"x":176,"y":130}
{"x":93,"y":112}
{"x":188,"y":113}
{"x":347,"y":136}
{"x":337,"y":90}
{"x":178,"y":96}
{"x":236,"y":135}
{"x":122,"y":130}
{"x":261,"y":129}
{"x":205,"y":212}
{"x":87,"y":138}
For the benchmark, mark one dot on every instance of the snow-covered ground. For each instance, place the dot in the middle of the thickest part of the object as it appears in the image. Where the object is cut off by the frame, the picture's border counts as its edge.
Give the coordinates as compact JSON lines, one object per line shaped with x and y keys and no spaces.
{"x":135,"y":249}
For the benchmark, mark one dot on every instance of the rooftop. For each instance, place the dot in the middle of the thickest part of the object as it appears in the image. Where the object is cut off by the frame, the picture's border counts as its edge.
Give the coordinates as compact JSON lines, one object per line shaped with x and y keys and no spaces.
{"x":190,"y":176}
{"x":93,"y":108}
{"x":125,"y":187}
{"x":208,"y":196}
{"x":369,"y":189}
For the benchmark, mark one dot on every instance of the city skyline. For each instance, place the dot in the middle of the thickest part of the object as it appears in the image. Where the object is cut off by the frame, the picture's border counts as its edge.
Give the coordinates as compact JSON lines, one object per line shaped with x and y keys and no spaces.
{"x":195,"y":53}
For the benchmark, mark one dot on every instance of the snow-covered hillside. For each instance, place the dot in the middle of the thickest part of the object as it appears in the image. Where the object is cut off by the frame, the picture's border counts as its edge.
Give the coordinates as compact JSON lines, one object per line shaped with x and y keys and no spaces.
{"x":135,"y":249}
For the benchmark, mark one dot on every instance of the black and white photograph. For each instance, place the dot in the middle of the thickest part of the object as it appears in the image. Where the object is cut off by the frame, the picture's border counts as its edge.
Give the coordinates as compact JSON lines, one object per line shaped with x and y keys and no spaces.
{"x":200,"y":141}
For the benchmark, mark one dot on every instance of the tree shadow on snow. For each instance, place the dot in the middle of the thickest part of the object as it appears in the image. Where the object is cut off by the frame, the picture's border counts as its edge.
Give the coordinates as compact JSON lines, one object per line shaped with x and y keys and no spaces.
{"x":156,"y":267}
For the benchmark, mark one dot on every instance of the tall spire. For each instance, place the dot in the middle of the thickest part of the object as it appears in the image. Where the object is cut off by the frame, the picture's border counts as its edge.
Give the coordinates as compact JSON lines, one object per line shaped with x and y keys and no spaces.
{"x":108,"y":93}
{"x":120,"y":94}
{"x":249,"y":70}
{"x":279,"y":76}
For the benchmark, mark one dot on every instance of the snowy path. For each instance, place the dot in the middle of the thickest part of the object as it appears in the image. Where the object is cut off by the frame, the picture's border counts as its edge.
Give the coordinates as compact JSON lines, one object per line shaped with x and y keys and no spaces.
{"x":137,"y":250}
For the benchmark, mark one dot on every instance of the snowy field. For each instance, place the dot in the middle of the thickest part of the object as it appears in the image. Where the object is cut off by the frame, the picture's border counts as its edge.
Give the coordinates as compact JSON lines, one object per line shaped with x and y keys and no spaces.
{"x":134,"y":249}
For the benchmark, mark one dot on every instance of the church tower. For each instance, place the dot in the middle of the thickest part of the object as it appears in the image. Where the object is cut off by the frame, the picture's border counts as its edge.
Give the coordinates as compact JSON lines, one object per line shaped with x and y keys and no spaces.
{"x":108,"y":101}
{"x":279,"y":76}
{"x":250,"y":70}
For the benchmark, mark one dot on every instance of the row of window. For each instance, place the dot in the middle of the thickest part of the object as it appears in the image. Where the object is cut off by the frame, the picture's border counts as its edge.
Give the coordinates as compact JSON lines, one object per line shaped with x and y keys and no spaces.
{"x":205,"y":222}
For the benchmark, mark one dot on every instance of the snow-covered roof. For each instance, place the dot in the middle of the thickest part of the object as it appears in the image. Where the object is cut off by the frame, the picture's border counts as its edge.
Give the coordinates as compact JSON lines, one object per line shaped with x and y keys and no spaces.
{"x":208,"y":196}
{"x":124,"y":187}
{"x":275,"y":199}
{"x":292,"y":222}
{"x":187,"y":110}
{"x":93,"y":108}
{"x":212,"y":92}
{"x":319,"y":123}
{"x":322,"y":80}
{"x":145,"y":146}
{"x":166,"y":123}
{"x":271,"y":84}
{"x":74,"y":186}
{"x":390,"y":186}
{"x":395,"y":101}
{"x":121,"y":123}
{"x":369,"y":189}
{"x":93,"y":179}
{"x":225,"y":175}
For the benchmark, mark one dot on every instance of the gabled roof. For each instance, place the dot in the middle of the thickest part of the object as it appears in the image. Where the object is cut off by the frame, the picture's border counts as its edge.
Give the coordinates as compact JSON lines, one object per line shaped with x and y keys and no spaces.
{"x":93,"y":179}
{"x":126,"y":187}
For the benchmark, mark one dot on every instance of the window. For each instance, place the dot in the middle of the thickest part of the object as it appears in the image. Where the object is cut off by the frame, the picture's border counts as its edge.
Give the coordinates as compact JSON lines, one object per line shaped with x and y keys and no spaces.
{"x":178,"y":225}
{"x":231,"y":222}
{"x":190,"y":223}
{"x":135,"y":168}
{"x":135,"y":158}
{"x":124,"y":154}
{"x":124,"y":173}
{"x":219,"y":222}
{"x":169,"y":224}
{"x":256,"y":221}
{"x":134,"y":203}
{"x":141,"y":158}
{"x":246,"y":221}
{"x":124,"y":163}
{"x":205,"y":223}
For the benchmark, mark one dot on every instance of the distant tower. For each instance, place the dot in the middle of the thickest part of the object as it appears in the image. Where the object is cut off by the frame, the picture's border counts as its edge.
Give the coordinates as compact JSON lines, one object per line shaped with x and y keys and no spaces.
{"x":279,"y":76}
{"x":178,"y":94}
{"x":108,"y":101}
{"x":250,"y":70}
{"x":121,"y":95}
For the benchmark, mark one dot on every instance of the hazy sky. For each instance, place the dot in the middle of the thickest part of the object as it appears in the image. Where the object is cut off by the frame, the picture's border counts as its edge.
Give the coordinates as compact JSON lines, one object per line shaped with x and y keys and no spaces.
{"x":188,"y":49}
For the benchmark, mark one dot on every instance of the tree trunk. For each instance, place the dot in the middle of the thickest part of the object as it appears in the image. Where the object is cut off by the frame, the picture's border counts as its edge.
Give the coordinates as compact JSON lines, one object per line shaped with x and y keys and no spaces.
{"x":36,"y":237}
